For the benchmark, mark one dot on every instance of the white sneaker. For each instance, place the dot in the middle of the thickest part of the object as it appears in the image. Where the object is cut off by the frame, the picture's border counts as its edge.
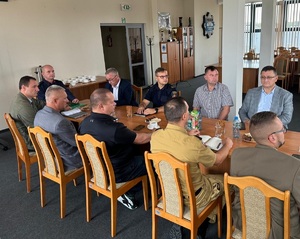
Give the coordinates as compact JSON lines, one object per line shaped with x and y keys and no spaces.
{"x":128,"y":202}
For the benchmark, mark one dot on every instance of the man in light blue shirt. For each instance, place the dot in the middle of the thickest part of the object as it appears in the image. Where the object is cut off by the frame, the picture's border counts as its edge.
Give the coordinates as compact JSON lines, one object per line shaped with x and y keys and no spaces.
{"x":268,"y":97}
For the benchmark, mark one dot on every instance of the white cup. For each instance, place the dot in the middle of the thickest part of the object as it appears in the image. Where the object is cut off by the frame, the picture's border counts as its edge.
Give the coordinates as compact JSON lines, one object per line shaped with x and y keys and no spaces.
{"x":153,"y":125}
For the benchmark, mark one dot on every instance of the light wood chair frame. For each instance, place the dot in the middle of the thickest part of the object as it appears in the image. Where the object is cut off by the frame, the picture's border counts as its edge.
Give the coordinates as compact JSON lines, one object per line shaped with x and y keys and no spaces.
{"x":267,"y":190}
{"x":282,"y":66}
{"x":138,"y":93}
{"x":28,"y":158}
{"x":51,"y":166}
{"x":100,"y":177}
{"x":161,"y":208}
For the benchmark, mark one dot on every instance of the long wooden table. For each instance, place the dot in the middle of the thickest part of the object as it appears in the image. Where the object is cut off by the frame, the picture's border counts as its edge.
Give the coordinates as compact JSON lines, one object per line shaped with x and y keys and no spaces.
{"x":290,"y":147}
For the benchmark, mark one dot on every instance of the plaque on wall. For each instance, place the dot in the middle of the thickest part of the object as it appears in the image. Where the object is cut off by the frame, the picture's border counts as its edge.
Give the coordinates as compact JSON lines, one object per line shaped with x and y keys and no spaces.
{"x":208,"y":25}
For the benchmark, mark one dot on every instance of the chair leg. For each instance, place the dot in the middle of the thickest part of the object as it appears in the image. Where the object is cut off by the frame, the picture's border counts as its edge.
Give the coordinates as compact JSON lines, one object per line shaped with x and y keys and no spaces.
{"x":194,"y":232}
{"x":113,"y":209}
{"x":145,"y":192}
{"x":42,"y":190}
{"x":62,"y":188}
{"x":88,"y":202}
{"x":19,"y":161}
{"x":154,"y":224}
{"x":28,"y":176}
{"x":75,"y":182}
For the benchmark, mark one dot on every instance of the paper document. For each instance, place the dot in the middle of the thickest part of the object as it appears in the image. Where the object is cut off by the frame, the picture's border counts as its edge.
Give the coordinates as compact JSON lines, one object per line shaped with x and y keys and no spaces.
{"x":214,"y":143}
{"x":74,"y":113}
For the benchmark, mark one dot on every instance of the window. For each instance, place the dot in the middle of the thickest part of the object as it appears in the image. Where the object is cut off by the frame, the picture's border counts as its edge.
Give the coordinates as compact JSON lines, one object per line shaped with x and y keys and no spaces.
{"x":287,"y":25}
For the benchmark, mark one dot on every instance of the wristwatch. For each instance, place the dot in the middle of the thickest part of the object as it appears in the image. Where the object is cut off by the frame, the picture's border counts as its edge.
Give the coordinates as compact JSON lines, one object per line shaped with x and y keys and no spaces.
{"x":156,"y":110}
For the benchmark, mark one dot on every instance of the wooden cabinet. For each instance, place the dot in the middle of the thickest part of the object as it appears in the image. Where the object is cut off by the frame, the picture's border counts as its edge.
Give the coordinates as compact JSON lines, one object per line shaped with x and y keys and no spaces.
{"x":186,"y":36}
{"x":83,"y":91}
{"x":178,"y":57}
{"x":169,"y":58}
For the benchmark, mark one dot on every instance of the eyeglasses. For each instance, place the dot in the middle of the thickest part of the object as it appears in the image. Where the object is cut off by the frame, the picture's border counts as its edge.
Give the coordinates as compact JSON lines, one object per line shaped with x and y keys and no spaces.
{"x":109,"y":80}
{"x":283,"y":130}
{"x":162,"y":77}
{"x":267,"y":77}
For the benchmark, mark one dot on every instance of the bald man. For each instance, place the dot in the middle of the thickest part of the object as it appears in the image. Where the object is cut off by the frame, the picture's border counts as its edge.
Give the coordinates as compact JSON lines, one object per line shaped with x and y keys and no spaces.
{"x":62,"y":130}
{"x":48,"y":74}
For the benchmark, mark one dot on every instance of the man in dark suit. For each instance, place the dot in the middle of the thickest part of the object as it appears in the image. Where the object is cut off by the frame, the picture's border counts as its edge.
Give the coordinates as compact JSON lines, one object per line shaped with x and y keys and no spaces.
{"x":121,"y":88}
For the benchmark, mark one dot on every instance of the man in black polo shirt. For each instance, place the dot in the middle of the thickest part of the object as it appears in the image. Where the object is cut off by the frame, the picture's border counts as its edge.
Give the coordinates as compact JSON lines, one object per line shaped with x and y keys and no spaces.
{"x":158,"y":94}
{"x":119,"y":141}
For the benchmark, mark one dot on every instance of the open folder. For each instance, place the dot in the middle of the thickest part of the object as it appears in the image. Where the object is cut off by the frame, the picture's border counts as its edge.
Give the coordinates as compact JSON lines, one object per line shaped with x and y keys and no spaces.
{"x":214,"y":143}
{"x":74,"y":113}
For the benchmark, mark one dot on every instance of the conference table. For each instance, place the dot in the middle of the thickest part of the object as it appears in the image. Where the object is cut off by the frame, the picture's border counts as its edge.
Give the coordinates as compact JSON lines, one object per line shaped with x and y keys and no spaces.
{"x":290,"y":147}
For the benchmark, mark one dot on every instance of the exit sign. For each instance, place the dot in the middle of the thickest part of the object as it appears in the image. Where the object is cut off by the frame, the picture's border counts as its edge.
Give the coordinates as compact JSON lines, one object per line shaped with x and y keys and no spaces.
{"x":125,"y":7}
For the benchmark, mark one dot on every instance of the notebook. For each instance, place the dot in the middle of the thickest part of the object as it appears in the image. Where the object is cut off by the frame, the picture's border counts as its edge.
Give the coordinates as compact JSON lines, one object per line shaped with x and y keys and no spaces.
{"x":74,"y":113}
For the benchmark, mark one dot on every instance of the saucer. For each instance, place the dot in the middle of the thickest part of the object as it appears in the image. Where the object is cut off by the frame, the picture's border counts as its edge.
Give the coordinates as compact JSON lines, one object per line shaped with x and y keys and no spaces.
{"x":153,"y":128}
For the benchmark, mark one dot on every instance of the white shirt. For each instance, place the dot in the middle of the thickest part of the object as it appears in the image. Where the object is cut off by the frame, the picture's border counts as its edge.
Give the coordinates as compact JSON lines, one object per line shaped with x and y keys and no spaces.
{"x":116,"y":91}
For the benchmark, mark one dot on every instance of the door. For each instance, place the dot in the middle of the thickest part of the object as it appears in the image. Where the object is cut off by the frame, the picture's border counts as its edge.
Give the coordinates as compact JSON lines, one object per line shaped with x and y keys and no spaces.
{"x":124,"y":49}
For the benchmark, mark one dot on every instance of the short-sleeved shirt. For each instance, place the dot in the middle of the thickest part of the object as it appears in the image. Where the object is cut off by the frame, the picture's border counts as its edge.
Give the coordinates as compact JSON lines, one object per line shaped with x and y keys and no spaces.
{"x":159,"y":96}
{"x":43,"y":86}
{"x":175,"y":140}
{"x":117,"y":137}
{"x":212,"y":102}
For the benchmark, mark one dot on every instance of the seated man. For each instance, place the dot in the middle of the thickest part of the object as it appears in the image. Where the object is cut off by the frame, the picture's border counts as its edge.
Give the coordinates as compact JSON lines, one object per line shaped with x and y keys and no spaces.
{"x":268,"y":97}
{"x":48,"y":80}
{"x":62,"y":130}
{"x":278,"y":169}
{"x":25,"y":106}
{"x":121,"y":89}
{"x":184,"y":146}
{"x":158,"y":94}
{"x":119,"y":141}
{"x":213,"y":99}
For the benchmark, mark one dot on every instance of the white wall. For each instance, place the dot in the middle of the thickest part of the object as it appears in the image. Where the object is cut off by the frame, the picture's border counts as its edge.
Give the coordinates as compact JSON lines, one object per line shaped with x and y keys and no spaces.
{"x":66,"y":34}
{"x":206,"y":49}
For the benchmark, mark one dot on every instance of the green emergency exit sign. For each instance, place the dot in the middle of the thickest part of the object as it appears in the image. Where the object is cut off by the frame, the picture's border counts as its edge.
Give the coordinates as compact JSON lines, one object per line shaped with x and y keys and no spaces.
{"x":125,"y":7}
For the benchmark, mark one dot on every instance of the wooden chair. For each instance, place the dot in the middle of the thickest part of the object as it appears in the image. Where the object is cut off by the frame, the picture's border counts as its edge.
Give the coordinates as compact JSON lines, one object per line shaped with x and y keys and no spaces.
{"x":281,"y":63}
{"x":100,"y":177}
{"x":255,"y":195}
{"x":51,"y":165}
{"x":28,"y":158}
{"x":249,"y":56}
{"x":170,"y":205}
{"x":138,"y":93}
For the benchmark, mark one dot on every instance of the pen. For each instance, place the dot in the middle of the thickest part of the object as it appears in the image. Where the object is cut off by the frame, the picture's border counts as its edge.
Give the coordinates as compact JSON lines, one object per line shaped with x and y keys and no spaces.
{"x":219,"y":145}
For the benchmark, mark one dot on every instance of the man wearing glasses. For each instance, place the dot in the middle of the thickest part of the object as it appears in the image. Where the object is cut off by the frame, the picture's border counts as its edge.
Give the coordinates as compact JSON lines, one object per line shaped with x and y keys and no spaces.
{"x":268,"y":97}
{"x":278,"y":169}
{"x":121,"y":88}
{"x":158,"y":94}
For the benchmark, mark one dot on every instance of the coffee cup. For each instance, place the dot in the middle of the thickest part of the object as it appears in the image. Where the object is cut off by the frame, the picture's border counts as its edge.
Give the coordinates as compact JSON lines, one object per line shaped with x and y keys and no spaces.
{"x":129,"y":111}
{"x":153,"y":125}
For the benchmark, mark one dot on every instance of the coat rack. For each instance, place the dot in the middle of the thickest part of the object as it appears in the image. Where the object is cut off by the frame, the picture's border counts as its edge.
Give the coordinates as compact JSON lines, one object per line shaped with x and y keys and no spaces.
{"x":150,"y":44}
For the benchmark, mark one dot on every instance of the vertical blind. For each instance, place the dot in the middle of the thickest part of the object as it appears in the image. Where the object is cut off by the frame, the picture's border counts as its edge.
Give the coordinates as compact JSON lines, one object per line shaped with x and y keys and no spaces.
{"x":287,"y":25}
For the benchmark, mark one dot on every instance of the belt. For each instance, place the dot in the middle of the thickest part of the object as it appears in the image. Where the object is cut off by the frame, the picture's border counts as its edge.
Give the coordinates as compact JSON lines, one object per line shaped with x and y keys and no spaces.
{"x":198,"y":191}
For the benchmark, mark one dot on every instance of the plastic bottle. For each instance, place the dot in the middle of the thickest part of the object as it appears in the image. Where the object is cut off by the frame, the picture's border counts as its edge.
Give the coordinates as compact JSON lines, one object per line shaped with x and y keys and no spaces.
{"x":196,"y":119}
{"x":236,"y":127}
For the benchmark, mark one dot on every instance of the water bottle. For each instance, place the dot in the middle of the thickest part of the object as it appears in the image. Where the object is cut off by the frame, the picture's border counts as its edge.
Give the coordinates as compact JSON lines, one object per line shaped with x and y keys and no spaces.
{"x":236,"y":127}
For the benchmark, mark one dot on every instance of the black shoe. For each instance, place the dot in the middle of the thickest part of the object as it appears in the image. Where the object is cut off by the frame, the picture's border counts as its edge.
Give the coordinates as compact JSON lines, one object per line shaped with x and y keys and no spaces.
{"x":128,"y":201}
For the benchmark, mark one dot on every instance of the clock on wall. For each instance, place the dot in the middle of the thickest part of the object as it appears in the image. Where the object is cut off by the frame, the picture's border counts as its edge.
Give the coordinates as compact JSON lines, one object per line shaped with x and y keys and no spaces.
{"x":208,"y":25}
